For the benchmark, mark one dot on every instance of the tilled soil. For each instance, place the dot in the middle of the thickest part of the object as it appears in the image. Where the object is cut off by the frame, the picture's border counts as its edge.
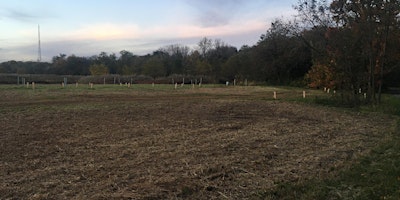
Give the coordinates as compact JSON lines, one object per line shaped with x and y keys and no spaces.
{"x":165,"y":146}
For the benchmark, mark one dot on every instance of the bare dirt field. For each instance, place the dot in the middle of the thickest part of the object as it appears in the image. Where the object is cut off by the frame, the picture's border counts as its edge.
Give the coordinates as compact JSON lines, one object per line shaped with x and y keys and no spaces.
{"x":208,"y":143}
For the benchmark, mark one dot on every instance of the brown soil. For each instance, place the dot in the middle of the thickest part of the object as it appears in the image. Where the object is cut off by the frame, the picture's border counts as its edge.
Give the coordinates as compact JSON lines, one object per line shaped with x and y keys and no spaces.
{"x":233,"y":145}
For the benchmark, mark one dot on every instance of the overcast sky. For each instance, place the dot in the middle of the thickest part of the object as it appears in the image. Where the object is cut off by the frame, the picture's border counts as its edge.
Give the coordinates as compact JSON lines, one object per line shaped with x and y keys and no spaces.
{"x":88,"y":27}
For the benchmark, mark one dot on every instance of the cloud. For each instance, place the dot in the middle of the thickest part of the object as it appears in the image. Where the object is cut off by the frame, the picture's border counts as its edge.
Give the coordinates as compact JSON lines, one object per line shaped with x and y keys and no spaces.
{"x":20,"y":16}
{"x":236,"y":28}
{"x":112,"y":39}
{"x":27,"y":12}
{"x":105,"y":31}
{"x":92,"y":39}
{"x":237,"y":22}
{"x":211,"y":13}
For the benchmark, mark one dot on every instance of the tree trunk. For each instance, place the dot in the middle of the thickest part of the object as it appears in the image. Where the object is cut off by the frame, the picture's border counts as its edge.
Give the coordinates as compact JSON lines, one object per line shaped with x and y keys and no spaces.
{"x":382,"y":63}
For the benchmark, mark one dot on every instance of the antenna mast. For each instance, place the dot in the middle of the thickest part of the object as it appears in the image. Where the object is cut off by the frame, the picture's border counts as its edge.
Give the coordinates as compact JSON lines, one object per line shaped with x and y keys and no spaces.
{"x":39,"y":48}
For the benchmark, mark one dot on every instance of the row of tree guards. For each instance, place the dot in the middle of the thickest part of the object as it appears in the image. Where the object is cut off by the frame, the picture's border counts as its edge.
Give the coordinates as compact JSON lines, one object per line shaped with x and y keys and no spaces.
{"x":275,"y":94}
{"x":22,"y":80}
{"x":91,"y":85}
{"x":193,"y":83}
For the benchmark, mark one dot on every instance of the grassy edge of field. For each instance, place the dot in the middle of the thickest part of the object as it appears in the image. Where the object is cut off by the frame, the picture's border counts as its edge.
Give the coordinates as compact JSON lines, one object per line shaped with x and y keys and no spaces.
{"x":373,"y":176}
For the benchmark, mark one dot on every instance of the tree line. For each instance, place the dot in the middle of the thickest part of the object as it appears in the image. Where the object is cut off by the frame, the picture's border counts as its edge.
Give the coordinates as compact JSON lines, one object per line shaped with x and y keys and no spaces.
{"x":276,"y":60}
{"x":345,"y":45}
{"x":354,"y":45}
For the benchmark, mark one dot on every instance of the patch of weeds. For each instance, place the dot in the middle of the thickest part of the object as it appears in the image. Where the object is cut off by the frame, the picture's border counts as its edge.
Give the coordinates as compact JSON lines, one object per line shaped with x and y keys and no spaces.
{"x":333,"y":101}
{"x":390,"y":105}
{"x":375,"y":176}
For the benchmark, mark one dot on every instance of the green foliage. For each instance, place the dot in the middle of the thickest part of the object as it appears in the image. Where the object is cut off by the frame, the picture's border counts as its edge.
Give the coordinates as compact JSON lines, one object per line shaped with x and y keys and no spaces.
{"x":98,"y":69}
{"x":154,"y":67}
{"x":203,"y":68}
{"x":282,"y":56}
{"x":390,"y":105}
{"x":19,"y":67}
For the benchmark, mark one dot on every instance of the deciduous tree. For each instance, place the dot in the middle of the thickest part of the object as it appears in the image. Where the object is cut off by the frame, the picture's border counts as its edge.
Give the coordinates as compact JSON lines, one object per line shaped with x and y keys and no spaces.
{"x":98,"y":69}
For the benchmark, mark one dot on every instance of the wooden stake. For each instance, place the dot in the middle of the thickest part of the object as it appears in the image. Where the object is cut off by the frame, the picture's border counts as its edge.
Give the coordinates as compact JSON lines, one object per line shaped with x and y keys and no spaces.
{"x":176,"y":85}
{"x":27,"y":84}
{"x":274,"y":94}
{"x":304,"y":94}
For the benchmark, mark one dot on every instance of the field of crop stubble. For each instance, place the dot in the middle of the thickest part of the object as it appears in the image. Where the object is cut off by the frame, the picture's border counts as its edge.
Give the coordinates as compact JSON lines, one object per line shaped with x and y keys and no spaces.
{"x":145,"y":142}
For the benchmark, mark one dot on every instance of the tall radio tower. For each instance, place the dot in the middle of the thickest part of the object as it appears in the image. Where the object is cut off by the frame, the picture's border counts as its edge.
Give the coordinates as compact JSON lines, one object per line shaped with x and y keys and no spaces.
{"x":39,"y":59}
